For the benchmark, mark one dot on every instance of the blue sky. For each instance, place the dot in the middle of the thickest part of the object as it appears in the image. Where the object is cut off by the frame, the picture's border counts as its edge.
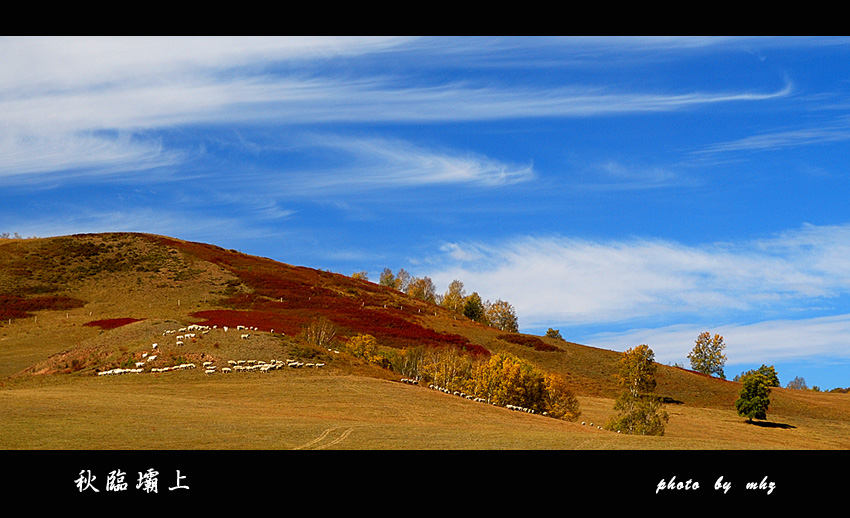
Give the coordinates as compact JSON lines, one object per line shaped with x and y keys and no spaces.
{"x":622,"y":190}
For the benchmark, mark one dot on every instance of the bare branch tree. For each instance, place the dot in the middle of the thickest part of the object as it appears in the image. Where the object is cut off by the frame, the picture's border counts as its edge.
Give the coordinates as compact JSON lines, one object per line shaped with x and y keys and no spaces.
{"x":320,"y":332}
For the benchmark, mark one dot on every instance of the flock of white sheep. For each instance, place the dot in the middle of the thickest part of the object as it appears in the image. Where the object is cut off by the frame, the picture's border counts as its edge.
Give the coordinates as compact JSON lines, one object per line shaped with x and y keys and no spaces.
{"x":263,"y":366}
{"x":184,"y":333}
{"x":482,"y":400}
{"x":257,"y":366}
{"x":476,"y":398}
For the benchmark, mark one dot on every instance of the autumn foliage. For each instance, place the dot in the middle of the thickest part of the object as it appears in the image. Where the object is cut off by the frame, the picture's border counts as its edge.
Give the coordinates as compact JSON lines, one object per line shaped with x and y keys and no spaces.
{"x":16,"y":306}
{"x":286,"y":298}
{"x":707,"y":355}
{"x":639,"y":409}
{"x":529,"y":341}
{"x":112,"y":323}
{"x":502,"y":379}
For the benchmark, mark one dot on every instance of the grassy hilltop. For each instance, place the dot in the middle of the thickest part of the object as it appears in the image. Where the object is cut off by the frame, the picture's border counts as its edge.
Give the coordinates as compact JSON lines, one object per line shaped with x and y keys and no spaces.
{"x":73,"y":307}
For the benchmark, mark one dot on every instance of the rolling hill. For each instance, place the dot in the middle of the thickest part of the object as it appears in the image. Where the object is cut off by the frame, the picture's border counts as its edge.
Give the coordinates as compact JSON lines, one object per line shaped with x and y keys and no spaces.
{"x":74,"y":308}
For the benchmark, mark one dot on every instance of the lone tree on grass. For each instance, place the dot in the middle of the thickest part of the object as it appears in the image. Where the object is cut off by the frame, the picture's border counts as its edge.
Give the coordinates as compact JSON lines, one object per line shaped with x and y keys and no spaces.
{"x":707,"y":355}
{"x":320,"y":332}
{"x":768,"y":372}
{"x":754,"y":399}
{"x":501,"y":315}
{"x":639,"y":408}
{"x":798,"y":383}
{"x":473,"y":308}
{"x":554,"y":333}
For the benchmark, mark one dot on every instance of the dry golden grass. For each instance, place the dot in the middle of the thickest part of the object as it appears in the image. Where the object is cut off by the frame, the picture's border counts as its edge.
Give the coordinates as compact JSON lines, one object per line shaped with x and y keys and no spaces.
{"x":314,"y":409}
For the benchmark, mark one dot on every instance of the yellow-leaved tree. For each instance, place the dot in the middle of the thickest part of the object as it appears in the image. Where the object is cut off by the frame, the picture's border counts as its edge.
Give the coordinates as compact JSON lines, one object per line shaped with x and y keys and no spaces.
{"x":453,"y":299}
{"x":502,"y":379}
{"x":446,"y":367}
{"x":502,"y":316}
{"x":365,"y":347}
{"x":639,"y":409}
{"x":707,"y":355}
{"x":422,"y":289}
{"x":560,"y":401}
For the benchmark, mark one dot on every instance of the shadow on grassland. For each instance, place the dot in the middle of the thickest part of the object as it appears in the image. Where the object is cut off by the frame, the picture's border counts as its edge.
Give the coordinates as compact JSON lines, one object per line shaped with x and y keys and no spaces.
{"x":768,"y":424}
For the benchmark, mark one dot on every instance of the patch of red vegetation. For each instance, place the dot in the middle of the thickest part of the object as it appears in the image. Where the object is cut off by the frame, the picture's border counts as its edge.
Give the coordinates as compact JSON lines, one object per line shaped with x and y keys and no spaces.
{"x":286,"y":298}
{"x":528,"y":341}
{"x":112,"y":323}
{"x":262,"y":320}
{"x":390,"y":330}
{"x":15,"y":306}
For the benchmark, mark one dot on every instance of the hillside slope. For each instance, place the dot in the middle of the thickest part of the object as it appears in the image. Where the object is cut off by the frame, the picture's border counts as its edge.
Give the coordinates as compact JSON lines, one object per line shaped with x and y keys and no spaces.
{"x":99,"y":279}
{"x":72,"y":307}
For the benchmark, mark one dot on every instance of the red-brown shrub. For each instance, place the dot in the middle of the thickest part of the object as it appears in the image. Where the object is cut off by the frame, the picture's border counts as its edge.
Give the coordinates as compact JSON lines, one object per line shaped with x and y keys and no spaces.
{"x":15,"y":306}
{"x":529,"y":341}
{"x":112,"y":323}
{"x":285,"y":298}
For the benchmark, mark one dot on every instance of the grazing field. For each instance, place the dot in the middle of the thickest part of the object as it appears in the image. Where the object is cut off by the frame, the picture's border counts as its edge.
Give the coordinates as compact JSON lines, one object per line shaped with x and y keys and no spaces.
{"x":313,"y":409}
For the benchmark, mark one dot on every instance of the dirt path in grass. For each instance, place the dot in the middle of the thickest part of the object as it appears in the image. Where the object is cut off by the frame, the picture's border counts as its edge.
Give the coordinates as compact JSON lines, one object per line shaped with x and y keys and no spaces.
{"x":315,"y":443}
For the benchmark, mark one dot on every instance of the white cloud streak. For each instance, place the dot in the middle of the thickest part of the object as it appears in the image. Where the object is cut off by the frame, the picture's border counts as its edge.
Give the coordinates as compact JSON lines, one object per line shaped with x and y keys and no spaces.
{"x":574,"y":282}
{"x":80,"y":92}
{"x":84,"y":153}
{"x":819,"y":339}
{"x":379,"y":163}
{"x":825,"y":133}
{"x":616,"y":176}
{"x":777,"y":299}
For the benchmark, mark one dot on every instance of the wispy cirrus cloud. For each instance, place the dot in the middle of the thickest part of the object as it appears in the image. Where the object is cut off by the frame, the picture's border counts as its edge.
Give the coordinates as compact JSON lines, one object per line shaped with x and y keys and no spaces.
{"x":580,"y":282}
{"x":88,"y":104}
{"x":613,"y":175}
{"x":780,"y":299}
{"x":365,"y":163}
{"x":82,"y":93}
{"x":825,"y":133}
{"x":81,"y":154}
